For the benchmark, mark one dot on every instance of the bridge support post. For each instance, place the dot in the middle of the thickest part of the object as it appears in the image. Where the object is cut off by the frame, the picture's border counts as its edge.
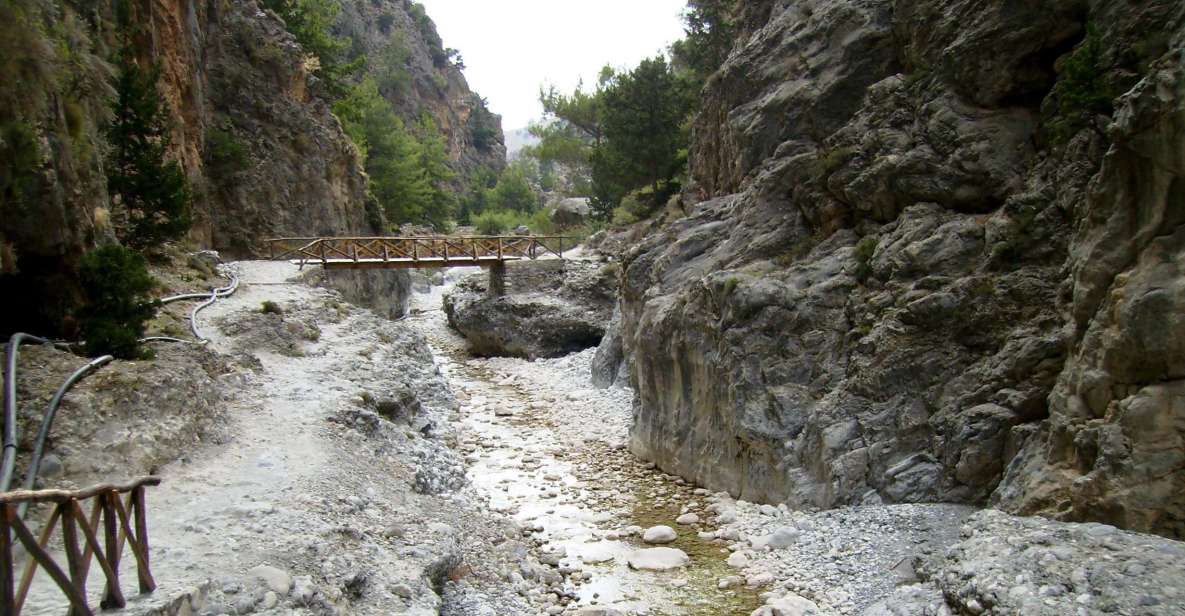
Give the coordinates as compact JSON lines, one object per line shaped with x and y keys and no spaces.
{"x":497,"y":286}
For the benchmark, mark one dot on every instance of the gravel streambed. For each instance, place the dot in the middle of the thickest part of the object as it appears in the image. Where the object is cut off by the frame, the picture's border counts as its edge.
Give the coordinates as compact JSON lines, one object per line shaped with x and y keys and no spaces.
{"x":545,"y":447}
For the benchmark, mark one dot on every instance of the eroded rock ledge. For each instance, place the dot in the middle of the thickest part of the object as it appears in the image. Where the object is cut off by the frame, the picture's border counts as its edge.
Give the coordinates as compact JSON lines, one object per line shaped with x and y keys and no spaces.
{"x":551,"y":308}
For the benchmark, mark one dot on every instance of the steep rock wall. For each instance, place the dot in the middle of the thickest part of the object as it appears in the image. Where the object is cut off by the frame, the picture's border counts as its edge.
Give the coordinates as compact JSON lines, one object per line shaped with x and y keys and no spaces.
{"x":903,"y":286}
{"x":251,"y":127}
{"x":418,"y":76}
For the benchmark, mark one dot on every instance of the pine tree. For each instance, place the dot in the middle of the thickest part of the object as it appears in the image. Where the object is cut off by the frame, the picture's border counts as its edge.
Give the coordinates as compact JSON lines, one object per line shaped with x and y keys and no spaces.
{"x":117,"y":285}
{"x":151,"y":190}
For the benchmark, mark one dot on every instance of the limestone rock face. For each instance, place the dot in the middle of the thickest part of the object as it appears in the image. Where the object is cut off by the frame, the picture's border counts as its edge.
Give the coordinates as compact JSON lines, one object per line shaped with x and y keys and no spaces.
{"x":901,"y":284}
{"x":551,"y":308}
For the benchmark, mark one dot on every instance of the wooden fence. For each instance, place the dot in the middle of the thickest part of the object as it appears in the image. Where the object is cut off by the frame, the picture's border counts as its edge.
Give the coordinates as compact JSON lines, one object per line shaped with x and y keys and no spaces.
{"x":117,"y":520}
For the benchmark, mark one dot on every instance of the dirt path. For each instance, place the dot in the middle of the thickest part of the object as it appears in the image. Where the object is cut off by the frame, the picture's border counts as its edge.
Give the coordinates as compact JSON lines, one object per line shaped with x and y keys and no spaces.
{"x":310,"y":484}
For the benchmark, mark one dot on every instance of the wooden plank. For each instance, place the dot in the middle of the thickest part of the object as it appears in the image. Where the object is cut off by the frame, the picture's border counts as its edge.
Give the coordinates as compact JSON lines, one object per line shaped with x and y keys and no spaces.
{"x":31,"y":567}
{"x":61,"y":496}
{"x":113,"y":596}
{"x":77,"y":600}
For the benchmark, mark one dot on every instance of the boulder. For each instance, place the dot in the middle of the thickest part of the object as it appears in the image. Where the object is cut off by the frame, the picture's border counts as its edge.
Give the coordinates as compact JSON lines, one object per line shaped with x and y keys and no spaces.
{"x":551,"y":308}
{"x":659,"y":534}
{"x":570,"y":212}
{"x":658,"y":559}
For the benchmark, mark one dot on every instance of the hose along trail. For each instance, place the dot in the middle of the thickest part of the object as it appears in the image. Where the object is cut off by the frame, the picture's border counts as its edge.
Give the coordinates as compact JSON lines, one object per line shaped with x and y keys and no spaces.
{"x":8,"y":463}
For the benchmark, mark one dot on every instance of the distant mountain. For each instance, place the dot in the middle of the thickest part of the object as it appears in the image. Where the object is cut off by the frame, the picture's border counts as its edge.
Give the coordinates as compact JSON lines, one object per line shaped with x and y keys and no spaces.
{"x":518,"y":139}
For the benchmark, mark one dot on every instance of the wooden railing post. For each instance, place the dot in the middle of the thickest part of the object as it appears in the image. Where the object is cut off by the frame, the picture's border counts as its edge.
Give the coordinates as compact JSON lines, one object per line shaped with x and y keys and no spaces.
{"x":147,"y":584}
{"x":113,"y":597}
{"x":74,"y":559}
{"x":7,"y":599}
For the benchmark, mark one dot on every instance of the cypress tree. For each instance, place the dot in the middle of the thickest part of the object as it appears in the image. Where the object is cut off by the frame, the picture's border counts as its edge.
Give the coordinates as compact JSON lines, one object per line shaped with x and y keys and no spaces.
{"x":151,"y":190}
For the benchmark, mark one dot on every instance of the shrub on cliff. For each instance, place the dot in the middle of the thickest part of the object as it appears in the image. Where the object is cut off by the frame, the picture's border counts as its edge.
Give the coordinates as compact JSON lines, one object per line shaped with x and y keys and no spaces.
{"x":117,"y":283}
{"x":150,"y":190}
{"x":311,"y":23}
{"x":1082,"y":92}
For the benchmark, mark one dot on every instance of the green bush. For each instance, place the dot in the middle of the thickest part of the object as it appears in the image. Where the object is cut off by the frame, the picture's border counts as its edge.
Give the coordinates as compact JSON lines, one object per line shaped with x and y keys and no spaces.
{"x":117,"y":286}
{"x":1082,"y":90}
{"x":622,"y":217}
{"x":497,"y":222}
{"x":270,"y":307}
{"x":831,"y":162}
{"x":541,"y":224}
{"x":864,"y":251}
{"x":226,"y":154}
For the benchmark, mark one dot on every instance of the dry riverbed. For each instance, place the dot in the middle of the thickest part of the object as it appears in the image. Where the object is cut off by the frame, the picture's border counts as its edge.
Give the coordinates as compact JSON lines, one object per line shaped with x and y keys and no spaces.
{"x":364,"y":466}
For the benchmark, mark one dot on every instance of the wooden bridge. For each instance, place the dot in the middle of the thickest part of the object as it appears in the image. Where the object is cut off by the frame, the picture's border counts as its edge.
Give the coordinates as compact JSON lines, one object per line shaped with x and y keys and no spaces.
{"x":413,"y":252}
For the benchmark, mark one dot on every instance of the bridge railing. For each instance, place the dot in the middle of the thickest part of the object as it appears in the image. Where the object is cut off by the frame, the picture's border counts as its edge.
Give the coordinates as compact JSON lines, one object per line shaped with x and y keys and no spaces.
{"x":116,"y":520}
{"x":440,"y":250}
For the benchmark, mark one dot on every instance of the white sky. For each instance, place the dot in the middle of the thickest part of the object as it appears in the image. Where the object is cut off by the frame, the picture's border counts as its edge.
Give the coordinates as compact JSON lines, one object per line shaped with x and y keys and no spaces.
{"x":512,"y":47}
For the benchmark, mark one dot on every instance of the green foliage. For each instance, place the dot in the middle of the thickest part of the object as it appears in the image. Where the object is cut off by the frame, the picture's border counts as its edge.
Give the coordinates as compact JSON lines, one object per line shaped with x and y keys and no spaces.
{"x":636,"y":206}
{"x":390,"y":68}
{"x":270,"y":307}
{"x":442,"y":203}
{"x":622,"y":217}
{"x":475,"y":199}
{"x":20,"y":157}
{"x":386,"y":20}
{"x":116,"y":282}
{"x":311,"y":22}
{"x":643,"y":116}
{"x":428,"y":32}
{"x":514,"y":192}
{"x":1082,"y":90}
{"x":151,"y":190}
{"x":483,"y":126}
{"x":498,"y":222}
{"x":225,"y":154}
{"x":864,"y":251}
{"x":572,"y":132}
{"x":407,"y":174}
{"x":831,"y":162}
{"x":710,"y":31}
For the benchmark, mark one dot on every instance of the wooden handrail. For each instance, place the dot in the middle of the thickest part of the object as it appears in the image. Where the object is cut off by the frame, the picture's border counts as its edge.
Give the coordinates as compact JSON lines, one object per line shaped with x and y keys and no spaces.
{"x":61,"y":496}
{"x":414,"y":251}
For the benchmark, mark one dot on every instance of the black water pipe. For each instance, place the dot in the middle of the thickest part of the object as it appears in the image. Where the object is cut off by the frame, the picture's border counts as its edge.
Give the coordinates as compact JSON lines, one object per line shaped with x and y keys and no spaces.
{"x":47,"y":422}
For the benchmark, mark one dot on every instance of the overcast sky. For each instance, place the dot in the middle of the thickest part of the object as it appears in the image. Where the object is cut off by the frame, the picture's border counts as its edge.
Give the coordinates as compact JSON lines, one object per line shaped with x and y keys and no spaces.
{"x":511,"y":47}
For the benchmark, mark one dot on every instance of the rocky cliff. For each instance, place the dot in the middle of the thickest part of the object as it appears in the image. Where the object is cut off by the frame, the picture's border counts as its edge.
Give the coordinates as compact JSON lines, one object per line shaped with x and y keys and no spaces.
{"x":936,"y":256}
{"x":420,"y":76}
{"x":252,"y":128}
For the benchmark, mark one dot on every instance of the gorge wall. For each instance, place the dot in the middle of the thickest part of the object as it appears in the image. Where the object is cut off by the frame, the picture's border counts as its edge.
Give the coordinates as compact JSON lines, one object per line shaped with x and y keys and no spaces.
{"x":252,"y":128}
{"x":919,"y":267}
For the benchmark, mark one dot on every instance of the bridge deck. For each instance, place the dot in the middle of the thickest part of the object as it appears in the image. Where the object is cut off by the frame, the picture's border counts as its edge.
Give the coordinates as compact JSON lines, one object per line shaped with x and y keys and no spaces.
{"x":413,"y":252}
{"x":422,"y":262}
